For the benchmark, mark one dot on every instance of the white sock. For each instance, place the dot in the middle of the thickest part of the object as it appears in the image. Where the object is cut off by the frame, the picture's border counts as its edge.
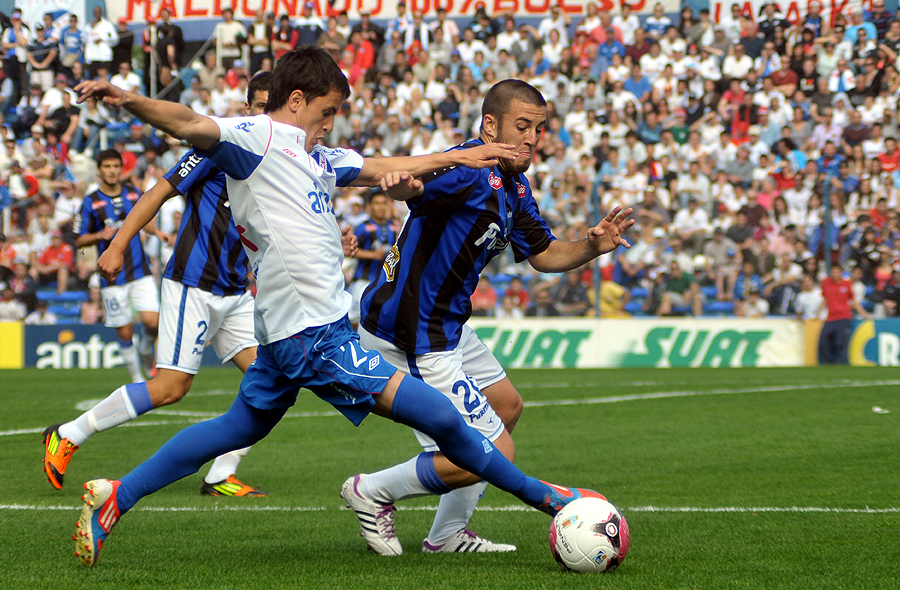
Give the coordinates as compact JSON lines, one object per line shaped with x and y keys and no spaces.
{"x":114,"y":410}
{"x":225,"y":465}
{"x":454,"y":511}
{"x":132,"y":362}
{"x":393,"y":484}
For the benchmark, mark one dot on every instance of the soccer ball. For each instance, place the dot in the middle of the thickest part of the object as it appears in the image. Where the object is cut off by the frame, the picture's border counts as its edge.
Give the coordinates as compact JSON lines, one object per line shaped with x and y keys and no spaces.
{"x":589,"y":535}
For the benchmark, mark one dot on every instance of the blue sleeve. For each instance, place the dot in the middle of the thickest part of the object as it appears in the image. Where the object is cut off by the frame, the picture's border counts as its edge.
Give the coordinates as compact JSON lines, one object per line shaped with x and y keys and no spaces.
{"x":448,"y":188}
{"x":530,"y":234}
{"x":193,"y":167}
{"x":242,"y":144}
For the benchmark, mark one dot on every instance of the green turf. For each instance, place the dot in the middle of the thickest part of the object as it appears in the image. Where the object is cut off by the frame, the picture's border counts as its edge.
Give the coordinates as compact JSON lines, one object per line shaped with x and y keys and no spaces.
{"x":794,"y":440}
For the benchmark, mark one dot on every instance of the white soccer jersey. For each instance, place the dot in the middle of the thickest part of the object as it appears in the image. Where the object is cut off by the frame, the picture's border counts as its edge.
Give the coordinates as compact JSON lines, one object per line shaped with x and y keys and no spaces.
{"x":281,"y":200}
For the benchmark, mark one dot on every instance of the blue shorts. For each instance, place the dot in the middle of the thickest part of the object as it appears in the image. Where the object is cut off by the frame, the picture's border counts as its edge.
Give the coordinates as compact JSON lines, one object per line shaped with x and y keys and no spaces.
{"x":327,"y":360}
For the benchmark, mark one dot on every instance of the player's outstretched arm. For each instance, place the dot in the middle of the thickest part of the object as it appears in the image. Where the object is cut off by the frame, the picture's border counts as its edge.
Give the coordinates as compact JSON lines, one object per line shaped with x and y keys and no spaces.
{"x":484,"y":156}
{"x":401,"y":186}
{"x":602,"y":238}
{"x":171,"y":117}
{"x":111,"y":261}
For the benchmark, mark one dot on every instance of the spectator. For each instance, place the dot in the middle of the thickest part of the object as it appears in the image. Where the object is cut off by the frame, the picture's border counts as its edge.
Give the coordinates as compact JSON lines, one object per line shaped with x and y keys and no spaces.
{"x":508,"y":309}
{"x":680,"y":290}
{"x":92,"y":309}
{"x":71,"y":44}
{"x":11,"y":309}
{"x":570,"y":295}
{"x":41,"y":315}
{"x":230,"y":35}
{"x":126,"y":79}
{"x":484,"y":298}
{"x":543,"y":306}
{"x":56,"y":263}
{"x":121,"y":51}
{"x":518,"y":292}
{"x":101,"y":37}
{"x":259,"y":38}
{"x":754,"y":306}
{"x":42,"y":55}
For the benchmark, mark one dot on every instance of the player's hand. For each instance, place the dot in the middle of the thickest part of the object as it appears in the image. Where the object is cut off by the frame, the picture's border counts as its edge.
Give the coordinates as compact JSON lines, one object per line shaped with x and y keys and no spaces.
{"x":110,"y":264}
{"x":402,"y":186}
{"x":349,"y":241}
{"x":607,"y":235}
{"x":103,"y":91}
{"x":484,"y":156}
{"x":168,"y":239}
{"x":108,"y":233}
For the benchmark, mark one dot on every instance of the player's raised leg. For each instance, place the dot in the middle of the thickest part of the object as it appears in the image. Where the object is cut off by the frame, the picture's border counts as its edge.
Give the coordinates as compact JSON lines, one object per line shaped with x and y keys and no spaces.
{"x":184,"y":454}
{"x":418,"y":405}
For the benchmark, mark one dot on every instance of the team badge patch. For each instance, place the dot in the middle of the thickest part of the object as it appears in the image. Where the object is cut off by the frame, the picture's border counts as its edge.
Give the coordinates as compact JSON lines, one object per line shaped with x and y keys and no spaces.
{"x":521,"y":189}
{"x":390,"y":263}
{"x":495,"y":181}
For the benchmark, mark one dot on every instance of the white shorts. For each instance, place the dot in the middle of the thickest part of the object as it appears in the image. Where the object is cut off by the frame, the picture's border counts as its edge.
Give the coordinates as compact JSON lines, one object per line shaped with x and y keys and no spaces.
{"x":192,"y":318}
{"x":120,"y":302}
{"x":459,"y":374}
{"x":356,"y":288}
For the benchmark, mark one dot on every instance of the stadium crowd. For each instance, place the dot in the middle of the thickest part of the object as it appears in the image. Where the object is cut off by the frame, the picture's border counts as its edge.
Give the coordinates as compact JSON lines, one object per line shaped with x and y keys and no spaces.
{"x":756,"y":152}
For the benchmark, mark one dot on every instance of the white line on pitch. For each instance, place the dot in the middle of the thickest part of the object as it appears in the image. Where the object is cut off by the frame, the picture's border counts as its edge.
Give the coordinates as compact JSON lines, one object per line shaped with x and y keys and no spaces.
{"x":529,"y":404}
{"x":514,"y":508}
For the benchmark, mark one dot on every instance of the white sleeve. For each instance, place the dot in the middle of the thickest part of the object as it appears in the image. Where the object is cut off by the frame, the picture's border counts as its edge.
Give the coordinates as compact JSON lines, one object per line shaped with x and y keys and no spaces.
{"x":345,"y":163}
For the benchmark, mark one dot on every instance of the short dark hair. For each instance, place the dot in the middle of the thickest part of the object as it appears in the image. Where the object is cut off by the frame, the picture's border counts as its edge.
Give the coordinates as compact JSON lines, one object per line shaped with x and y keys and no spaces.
{"x":501,"y":95}
{"x":309,"y":69}
{"x":376,"y":193}
{"x":261,"y":82}
{"x":108,"y":154}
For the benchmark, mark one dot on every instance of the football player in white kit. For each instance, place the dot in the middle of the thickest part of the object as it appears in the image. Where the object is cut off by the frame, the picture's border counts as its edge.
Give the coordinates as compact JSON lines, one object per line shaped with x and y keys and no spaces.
{"x":280,"y":183}
{"x":204,"y":301}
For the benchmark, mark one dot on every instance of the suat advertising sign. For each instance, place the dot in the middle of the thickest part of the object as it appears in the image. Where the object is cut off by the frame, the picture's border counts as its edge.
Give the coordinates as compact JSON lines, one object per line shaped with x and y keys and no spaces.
{"x":570,"y":343}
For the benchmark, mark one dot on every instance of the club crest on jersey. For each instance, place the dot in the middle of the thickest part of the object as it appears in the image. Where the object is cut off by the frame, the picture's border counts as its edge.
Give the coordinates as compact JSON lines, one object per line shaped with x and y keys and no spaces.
{"x":390,"y":263}
{"x":521,"y":189}
{"x":495,"y":181}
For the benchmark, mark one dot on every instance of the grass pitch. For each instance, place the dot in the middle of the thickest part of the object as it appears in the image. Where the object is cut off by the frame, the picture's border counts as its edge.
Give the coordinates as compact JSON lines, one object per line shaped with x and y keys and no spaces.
{"x":767,"y":478}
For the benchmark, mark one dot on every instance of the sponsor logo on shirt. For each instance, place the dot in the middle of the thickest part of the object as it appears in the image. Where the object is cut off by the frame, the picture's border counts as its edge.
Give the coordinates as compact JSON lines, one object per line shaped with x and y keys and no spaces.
{"x":494,"y":181}
{"x":493,"y":237}
{"x":189,"y":165}
{"x":244,"y":126}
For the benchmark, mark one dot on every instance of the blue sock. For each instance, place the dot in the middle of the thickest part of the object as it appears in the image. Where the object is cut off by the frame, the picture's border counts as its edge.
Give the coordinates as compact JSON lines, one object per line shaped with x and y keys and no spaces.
{"x":428,"y":476}
{"x":123,"y":344}
{"x":422,"y":407}
{"x":139,"y":396}
{"x":186,"y":452}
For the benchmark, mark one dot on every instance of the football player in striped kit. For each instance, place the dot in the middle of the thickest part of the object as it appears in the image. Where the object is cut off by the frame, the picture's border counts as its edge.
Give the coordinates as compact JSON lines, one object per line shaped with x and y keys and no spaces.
{"x":132,"y":288}
{"x":415,"y":312}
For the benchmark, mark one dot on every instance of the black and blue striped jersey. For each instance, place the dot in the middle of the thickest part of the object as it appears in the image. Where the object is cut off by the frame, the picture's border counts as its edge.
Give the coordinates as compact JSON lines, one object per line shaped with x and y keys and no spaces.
{"x":208,"y":252}
{"x":372,"y":236}
{"x":421,"y":298}
{"x":99,"y":211}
